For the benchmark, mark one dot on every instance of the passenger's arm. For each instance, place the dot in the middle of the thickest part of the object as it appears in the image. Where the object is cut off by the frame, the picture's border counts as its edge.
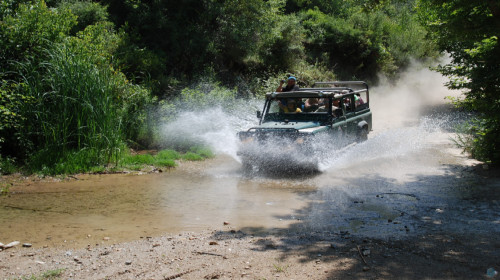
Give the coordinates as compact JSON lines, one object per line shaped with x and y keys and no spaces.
{"x":280,"y":88}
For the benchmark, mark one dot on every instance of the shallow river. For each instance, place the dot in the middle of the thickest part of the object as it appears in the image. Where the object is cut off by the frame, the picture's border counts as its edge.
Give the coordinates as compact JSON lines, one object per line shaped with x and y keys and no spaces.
{"x":406,"y":179}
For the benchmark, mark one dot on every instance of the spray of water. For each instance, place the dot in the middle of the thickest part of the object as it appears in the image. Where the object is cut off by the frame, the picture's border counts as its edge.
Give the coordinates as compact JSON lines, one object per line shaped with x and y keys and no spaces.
{"x":406,"y":113}
{"x":402,"y":120}
{"x":215,"y":127}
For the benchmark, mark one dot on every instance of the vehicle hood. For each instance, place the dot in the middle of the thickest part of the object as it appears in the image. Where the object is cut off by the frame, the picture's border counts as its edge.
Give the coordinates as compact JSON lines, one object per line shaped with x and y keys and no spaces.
{"x":306,"y":127}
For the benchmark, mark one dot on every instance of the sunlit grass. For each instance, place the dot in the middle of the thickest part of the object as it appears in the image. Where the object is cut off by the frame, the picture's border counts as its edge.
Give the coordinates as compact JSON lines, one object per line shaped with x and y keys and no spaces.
{"x":48,"y":275}
{"x":4,"y":189}
{"x":164,"y":158}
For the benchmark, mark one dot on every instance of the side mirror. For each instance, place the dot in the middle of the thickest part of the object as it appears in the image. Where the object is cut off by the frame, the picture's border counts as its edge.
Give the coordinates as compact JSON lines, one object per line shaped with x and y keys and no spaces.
{"x":259,"y":114}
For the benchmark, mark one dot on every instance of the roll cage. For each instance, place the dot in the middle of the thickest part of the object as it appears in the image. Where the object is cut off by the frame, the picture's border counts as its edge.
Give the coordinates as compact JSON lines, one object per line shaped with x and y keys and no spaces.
{"x":344,"y":91}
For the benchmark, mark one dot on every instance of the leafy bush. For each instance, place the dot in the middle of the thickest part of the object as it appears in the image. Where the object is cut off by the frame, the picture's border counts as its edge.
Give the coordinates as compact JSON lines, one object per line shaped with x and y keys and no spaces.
{"x":479,"y":138}
{"x":206,"y":95}
{"x":7,"y":166}
{"x":64,"y":97}
{"x":87,"y":13}
{"x":366,"y":43}
{"x":74,"y":106}
{"x":281,"y":47}
{"x":26,"y":32}
{"x":31,"y":30}
{"x":340,"y":44}
{"x":467,"y":30}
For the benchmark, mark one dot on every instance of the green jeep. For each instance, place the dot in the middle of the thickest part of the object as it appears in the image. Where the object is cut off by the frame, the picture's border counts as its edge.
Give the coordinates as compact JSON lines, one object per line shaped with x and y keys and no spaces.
{"x":296,"y":128}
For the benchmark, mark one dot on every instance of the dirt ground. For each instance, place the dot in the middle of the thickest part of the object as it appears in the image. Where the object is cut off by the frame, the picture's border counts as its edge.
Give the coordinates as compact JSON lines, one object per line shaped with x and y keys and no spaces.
{"x":231,"y":254}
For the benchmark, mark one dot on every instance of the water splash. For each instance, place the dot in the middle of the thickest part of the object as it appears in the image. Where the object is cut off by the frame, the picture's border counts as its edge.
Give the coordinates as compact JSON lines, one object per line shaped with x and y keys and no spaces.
{"x":214,"y":127}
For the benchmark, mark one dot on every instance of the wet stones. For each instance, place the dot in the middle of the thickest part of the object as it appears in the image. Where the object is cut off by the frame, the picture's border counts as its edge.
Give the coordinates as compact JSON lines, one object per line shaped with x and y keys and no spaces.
{"x":10,"y":245}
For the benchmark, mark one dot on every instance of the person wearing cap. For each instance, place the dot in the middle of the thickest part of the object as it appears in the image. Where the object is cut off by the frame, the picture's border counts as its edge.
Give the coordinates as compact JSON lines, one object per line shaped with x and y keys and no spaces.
{"x":290,"y":86}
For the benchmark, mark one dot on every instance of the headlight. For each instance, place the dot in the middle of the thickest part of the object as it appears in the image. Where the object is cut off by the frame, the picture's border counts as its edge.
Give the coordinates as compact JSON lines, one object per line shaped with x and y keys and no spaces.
{"x":247,"y":140}
{"x":300,"y":140}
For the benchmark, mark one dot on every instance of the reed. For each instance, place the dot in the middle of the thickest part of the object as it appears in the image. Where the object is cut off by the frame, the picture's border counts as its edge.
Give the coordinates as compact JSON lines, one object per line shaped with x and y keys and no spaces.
{"x":73,"y":113}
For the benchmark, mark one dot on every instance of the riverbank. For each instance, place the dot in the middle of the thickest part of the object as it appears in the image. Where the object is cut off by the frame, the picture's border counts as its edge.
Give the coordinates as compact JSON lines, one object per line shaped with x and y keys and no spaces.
{"x":232,"y":254}
{"x":139,"y":162}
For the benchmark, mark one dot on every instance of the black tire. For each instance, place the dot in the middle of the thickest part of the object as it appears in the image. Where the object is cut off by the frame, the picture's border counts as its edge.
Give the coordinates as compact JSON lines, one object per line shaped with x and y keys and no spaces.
{"x":363,"y":134}
{"x":246,"y":165}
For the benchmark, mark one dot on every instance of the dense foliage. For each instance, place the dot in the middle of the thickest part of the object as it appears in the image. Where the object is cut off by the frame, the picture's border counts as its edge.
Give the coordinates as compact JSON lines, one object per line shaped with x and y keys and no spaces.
{"x":469,"y":30}
{"x":253,"y":40}
{"x":63,"y":106}
{"x":81,"y":80}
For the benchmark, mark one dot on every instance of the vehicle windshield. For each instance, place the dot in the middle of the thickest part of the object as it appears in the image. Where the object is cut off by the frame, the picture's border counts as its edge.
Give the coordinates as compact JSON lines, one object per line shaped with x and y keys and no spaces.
{"x":307,"y":109}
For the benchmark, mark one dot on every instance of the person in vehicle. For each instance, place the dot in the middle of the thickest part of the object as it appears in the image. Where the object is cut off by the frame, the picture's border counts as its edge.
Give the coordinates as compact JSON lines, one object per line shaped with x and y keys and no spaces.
{"x":323,"y":105}
{"x":311,"y":105}
{"x":335,"y":104}
{"x":358,"y":99}
{"x":290,"y":85}
{"x":290,"y":107}
{"x":336,"y":110}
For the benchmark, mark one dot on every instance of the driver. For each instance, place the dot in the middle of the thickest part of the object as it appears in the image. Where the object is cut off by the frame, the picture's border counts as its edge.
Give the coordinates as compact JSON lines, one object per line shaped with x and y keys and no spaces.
{"x":290,"y":107}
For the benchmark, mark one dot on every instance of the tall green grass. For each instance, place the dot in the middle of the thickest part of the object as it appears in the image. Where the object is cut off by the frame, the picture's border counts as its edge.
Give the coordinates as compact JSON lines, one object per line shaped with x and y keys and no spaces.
{"x":72,"y":107}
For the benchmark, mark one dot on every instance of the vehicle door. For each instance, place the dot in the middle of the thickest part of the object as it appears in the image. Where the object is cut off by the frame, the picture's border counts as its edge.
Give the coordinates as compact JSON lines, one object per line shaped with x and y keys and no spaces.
{"x":356,"y":114}
{"x":339,"y":124}
{"x":350,"y":114}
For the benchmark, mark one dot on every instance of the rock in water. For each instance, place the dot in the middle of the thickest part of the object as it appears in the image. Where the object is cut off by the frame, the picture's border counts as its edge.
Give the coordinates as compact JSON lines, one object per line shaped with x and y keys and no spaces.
{"x":11,"y":244}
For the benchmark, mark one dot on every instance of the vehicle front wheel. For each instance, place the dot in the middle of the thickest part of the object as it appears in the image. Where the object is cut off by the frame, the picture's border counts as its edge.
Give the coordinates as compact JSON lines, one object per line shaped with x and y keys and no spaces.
{"x":246,"y":165}
{"x":363,"y":134}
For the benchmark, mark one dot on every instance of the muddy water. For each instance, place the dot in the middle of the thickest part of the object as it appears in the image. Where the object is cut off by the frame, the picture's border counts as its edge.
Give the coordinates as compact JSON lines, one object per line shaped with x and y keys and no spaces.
{"x":406,"y":179}
{"x":388,"y":193}
{"x":125,"y":207}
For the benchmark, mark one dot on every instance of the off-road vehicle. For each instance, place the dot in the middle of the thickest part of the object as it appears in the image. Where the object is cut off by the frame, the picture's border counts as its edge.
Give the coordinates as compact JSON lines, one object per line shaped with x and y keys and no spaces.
{"x":296,"y":127}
